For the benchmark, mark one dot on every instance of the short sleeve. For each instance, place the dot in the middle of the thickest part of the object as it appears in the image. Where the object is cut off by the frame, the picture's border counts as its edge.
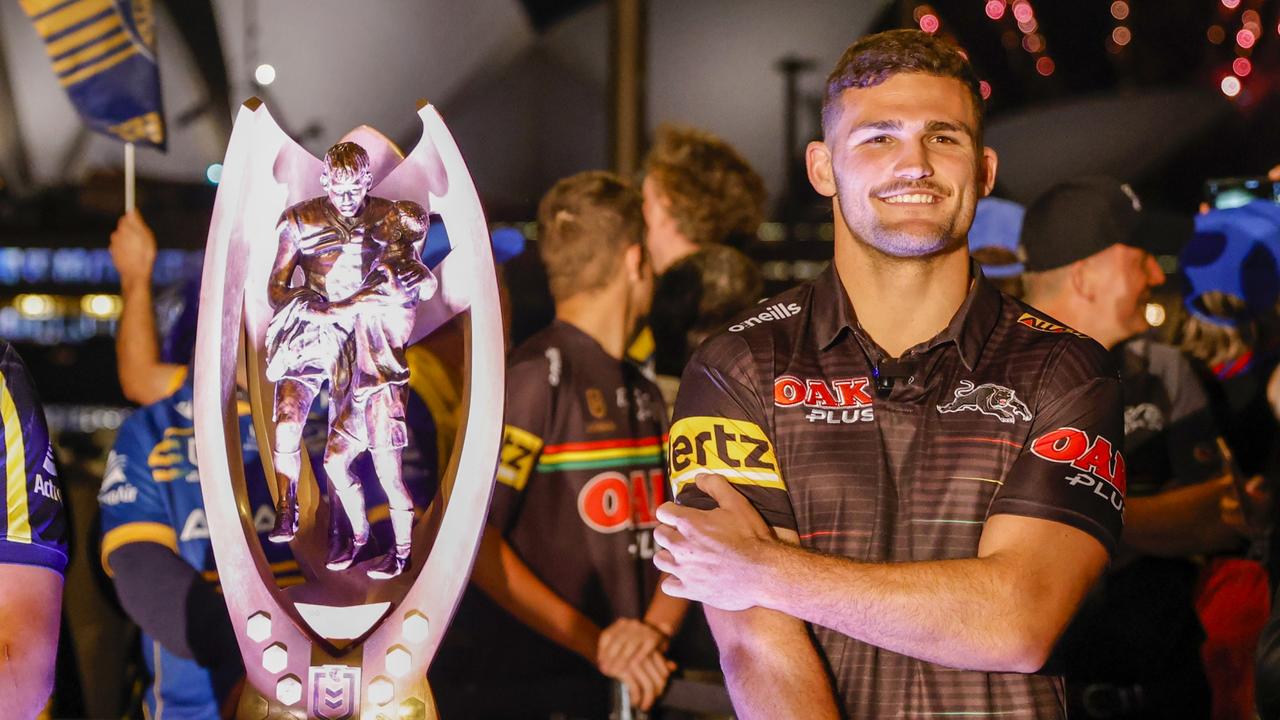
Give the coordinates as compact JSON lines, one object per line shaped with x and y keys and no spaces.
{"x":134,"y":508}
{"x":34,"y":519}
{"x":719,"y":426}
{"x":530,"y":387}
{"x":1071,"y":469}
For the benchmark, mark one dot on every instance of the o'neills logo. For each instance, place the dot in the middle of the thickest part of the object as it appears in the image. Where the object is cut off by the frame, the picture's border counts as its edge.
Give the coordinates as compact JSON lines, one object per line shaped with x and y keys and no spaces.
{"x":1102,"y":465}
{"x":843,"y":400}
{"x":774,"y":312}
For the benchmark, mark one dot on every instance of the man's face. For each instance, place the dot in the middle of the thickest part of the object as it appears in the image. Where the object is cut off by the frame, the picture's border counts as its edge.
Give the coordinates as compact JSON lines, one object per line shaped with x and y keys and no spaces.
{"x":1121,"y":280}
{"x":904,"y":164}
{"x":346,"y":192}
{"x":660,"y":227}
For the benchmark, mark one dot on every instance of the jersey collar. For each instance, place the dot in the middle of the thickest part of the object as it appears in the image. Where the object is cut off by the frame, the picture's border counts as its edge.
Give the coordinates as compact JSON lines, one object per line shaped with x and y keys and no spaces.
{"x":968,"y":330}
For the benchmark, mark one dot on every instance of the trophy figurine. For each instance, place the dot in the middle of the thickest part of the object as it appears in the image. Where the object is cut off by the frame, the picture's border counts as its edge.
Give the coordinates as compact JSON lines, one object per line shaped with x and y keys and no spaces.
{"x":313,"y":277}
{"x":347,"y":322}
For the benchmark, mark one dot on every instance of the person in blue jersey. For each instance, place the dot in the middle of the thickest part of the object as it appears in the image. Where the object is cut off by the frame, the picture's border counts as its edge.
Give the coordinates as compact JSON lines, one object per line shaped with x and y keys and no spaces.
{"x":33,"y":544}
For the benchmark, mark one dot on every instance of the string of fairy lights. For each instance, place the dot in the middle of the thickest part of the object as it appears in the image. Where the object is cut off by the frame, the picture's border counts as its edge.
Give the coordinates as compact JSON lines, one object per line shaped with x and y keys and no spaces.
{"x":1237,"y":25}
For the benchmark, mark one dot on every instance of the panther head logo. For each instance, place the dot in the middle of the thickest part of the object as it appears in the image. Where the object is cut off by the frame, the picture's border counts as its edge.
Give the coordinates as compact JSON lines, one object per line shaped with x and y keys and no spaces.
{"x":989,"y":399}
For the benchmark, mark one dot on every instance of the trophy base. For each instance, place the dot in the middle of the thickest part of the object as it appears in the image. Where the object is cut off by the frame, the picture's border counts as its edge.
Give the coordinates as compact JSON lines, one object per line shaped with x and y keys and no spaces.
{"x":338,"y":700}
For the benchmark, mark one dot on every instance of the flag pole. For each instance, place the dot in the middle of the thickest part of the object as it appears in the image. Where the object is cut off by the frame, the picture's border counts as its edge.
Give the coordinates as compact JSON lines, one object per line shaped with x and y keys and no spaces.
{"x":129,"y":194}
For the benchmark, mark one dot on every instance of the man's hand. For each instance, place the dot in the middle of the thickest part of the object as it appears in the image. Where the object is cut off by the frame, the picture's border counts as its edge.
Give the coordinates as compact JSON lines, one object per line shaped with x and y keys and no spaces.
{"x":1248,"y":516}
{"x":712,"y":555}
{"x":624,"y":641}
{"x":133,"y":250}
{"x":645,"y":678}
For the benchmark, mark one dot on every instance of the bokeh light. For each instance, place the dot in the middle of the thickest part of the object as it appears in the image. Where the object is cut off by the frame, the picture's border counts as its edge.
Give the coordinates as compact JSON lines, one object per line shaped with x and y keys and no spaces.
{"x":1231,"y":4}
{"x":1231,"y":86}
{"x":1121,"y":36}
{"x":1033,"y":43}
{"x":995,"y":9}
{"x":1242,"y":67}
{"x":1120,"y":9}
{"x":930,"y":23}
{"x":1022,"y":11}
{"x":213,"y":173}
{"x":1245,"y":38}
{"x":984,"y":89}
{"x":1216,"y":34}
{"x":1045,"y":66}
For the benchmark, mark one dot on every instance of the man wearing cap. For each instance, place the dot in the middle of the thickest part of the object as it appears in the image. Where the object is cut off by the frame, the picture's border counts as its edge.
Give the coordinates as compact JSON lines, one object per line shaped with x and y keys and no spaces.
{"x":1134,"y":649}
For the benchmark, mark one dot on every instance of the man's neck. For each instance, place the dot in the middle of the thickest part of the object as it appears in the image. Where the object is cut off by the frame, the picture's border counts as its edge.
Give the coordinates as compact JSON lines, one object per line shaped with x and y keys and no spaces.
{"x":671,"y":251}
{"x":1074,"y":315}
{"x":901,"y":302}
{"x":604,"y":315}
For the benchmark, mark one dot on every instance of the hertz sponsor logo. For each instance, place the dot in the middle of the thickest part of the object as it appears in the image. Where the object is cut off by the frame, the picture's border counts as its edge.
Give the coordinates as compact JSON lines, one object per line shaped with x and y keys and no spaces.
{"x":737,"y":449}
{"x":1102,"y":465}
{"x":1039,"y":323}
{"x":519,"y":456}
{"x":774,"y":312}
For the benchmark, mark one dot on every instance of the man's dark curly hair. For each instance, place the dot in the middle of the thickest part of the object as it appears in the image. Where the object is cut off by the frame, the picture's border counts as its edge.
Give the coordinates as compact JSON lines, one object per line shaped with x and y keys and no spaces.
{"x":876,"y":58}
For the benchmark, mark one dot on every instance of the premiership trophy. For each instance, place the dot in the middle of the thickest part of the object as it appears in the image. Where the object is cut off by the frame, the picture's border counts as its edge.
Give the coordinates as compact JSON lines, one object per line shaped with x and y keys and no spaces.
{"x":313,"y":278}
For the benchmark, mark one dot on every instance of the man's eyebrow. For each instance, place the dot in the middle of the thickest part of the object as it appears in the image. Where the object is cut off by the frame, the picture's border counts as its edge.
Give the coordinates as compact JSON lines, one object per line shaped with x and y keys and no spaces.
{"x":886,"y":125}
{"x":948,"y":126}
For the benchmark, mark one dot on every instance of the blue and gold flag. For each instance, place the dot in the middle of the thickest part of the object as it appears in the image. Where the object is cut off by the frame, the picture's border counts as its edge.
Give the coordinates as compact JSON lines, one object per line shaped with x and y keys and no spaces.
{"x":103,"y":53}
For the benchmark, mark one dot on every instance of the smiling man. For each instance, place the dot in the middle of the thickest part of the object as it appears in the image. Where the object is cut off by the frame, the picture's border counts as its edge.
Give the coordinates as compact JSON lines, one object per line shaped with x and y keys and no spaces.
{"x":893,"y":499}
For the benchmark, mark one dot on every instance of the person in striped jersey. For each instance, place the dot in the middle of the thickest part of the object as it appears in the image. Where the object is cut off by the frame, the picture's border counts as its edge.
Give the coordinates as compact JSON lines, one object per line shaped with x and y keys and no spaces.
{"x":569,"y":537}
{"x":33,"y":544}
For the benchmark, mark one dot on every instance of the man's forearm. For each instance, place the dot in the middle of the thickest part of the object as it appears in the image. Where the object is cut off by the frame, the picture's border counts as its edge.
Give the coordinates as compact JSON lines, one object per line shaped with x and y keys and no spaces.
{"x":987,"y":613}
{"x":504,"y":577}
{"x":770,"y":666}
{"x":143,"y":378}
{"x":666,"y":613}
{"x":1177,"y":523}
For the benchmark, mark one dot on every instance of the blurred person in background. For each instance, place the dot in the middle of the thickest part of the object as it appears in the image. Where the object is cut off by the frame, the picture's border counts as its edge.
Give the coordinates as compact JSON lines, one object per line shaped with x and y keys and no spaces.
{"x":695,"y":296}
{"x":145,"y":371}
{"x":569,"y":536}
{"x":1232,"y":285}
{"x":698,"y":190}
{"x":994,"y":241}
{"x":1134,"y":649}
{"x":33,"y":545}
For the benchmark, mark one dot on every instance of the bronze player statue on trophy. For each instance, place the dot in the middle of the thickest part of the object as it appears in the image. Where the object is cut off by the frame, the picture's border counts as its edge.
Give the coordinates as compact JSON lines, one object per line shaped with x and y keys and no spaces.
{"x":347,"y":322}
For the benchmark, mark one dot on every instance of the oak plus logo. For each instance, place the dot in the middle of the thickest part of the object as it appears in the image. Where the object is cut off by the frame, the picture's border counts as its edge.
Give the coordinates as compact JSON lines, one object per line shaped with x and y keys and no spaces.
{"x":840,"y":401}
{"x":1101,"y":466}
{"x":612,"y":502}
{"x":997,"y":401}
{"x":777,"y":311}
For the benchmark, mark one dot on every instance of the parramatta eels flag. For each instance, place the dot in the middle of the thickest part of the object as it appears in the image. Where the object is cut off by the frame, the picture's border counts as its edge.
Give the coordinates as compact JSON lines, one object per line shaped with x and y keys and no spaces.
{"x":103,"y":52}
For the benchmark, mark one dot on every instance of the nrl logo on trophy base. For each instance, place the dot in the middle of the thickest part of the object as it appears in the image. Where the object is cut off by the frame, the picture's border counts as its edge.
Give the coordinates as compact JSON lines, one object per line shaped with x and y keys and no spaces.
{"x":314,"y":285}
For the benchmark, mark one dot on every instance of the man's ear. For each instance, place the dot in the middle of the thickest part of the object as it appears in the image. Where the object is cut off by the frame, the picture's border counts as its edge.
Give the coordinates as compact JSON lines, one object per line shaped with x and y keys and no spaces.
{"x":324,"y":179}
{"x":1081,"y":277}
{"x":633,"y":260}
{"x":817,"y":161}
{"x":987,"y":170}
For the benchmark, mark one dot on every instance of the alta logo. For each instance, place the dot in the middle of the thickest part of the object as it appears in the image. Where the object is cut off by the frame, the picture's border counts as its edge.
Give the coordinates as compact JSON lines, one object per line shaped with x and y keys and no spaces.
{"x":611,"y":502}
{"x":774,"y":312}
{"x":1038,"y":323}
{"x":844,"y":400}
{"x":1102,"y":465}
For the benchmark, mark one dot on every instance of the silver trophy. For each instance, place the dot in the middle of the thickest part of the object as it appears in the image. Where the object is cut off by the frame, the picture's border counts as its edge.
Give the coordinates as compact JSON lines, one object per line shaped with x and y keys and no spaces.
{"x":312,"y":277}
